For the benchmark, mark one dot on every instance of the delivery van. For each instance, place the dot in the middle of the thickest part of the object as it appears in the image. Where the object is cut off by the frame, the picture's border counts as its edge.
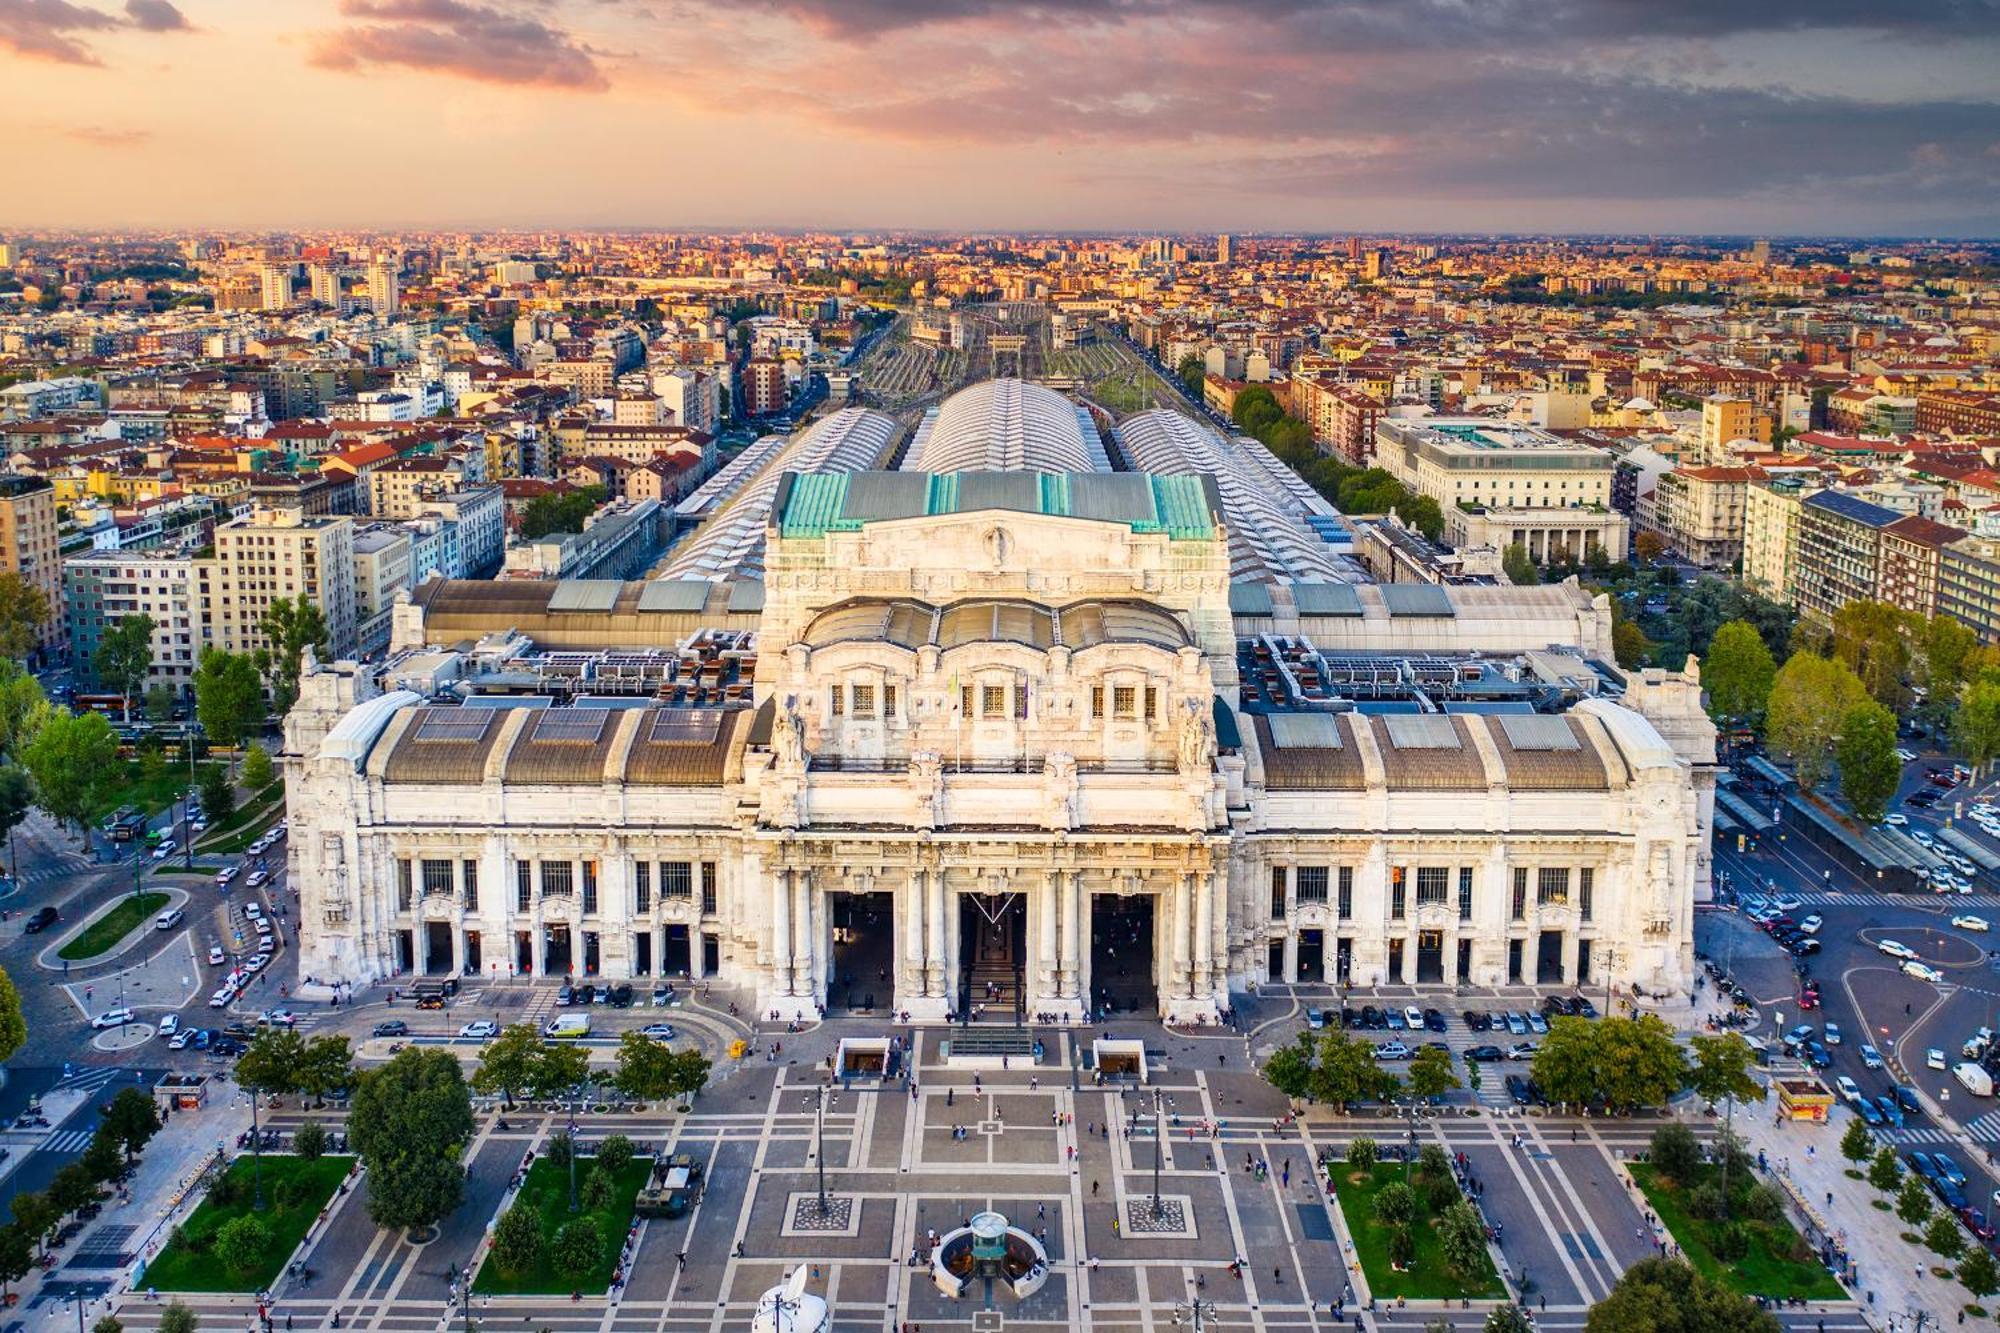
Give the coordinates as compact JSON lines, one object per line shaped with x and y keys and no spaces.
{"x":1974,"y":1078}
{"x":568,"y":1025}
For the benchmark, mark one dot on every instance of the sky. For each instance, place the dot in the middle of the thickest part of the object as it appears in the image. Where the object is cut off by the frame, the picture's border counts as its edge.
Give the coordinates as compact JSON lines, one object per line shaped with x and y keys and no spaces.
{"x":1779,"y":117}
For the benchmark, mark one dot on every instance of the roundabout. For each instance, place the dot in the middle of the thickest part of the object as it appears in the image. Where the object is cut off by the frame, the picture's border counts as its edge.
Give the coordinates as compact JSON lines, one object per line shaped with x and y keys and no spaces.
{"x":128,"y":1037}
{"x":1937,"y":946}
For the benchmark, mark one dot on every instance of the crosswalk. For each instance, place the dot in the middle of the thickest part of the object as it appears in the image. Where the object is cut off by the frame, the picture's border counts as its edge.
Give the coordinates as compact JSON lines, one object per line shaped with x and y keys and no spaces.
{"x":66,"y":1140}
{"x":1955,"y":901}
{"x":1985,"y":1128}
{"x":88,"y":1077}
{"x":48,"y":866}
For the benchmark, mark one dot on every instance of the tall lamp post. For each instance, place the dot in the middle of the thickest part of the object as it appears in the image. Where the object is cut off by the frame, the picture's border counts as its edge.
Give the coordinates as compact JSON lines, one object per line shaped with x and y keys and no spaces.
{"x":1193,"y":1314}
{"x":256,"y":1157}
{"x":571,"y":1131}
{"x":464,"y":1292}
{"x":819,"y":1143}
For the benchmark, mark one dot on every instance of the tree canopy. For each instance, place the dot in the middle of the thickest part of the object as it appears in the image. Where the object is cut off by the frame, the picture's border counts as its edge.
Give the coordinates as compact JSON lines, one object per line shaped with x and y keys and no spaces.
{"x":72,"y":757}
{"x":24,"y":609}
{"x":290,"y":626}
{"x":559,"y":512}
{"x":1668,"y":1295}
{"x":1869,"y":768}
{"x":124,"y":657}
{"x":1625,"y":1062}
{"x":410,"y":1120}
{"x":1810,"y":698}
{"x":228,"y":696}
{"x":1738,"y":672}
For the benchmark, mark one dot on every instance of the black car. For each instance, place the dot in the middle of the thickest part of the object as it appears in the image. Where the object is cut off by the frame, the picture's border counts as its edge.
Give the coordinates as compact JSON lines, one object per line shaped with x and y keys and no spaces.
{"x":1517,"y":1088}
{"x":227,"y":1046}
{"x":1476,"y":1020}
{"x":1350,"y":1018}
{"x":1371,"y":1017}
{"x":1583,"y":1008}
{"x":42,"y":920}
{"x":621,"y":997}
{"x":1804,"y":945}
{"x":1485,"y":1053}
{"x":1433,"y":1020}
{"x":1553,"y":1007}
{"x":395,"y":1027}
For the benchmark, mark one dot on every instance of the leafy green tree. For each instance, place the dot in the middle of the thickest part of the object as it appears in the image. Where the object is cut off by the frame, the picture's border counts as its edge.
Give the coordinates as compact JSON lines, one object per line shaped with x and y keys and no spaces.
{"x":290,"y":626}
{"x":507,"y":1064}
{"x":132,"y":1120}
{"x":1884,"y":1172}
{"x":72,"y":758}
{"x":177,"y":1318}
{"x":559,"y":1067}
{"x":645,"y":1068}
{"x":22,"y":706}
{"x":1976,"y":724}
{"x":1627,"y":1061}
{"x":1507,"y":1319}
{"x":1395,"y":1205}
{"x":13,"y":1023}
{"x":242,"y":1242}
{"x":1676,"y":1154}
{"x":1810,"y":698}
{"x":107,"y":1324}
{"x":1402,"y":1247}
{"x":1519,"y":566}
{"x":1913,"y":1205}
{"x":1347,"y":1071}
{"x":579,"y":1248}
{"x":327,"y":1066}
{"x":1948,"y":648}
{"x":1422,"y":513}
{"x":274,"y":1062}
{"x":1192,"y":372}
{"x":159,"y":703}
{"x":257,"y":768}
{"x":1629,"y":644}
{"x":1721,"y":1068}
{"x":1872,"y":639}
{"x":309,"y":1141}
{"x":1462,"y":1238}
{"x":1738,"y":672}
{"x":228,"y":696}
{"x":1667,"y":1294}
{"x":614,"y":1153}
{"x":1289,"y":1069}
{"x":1361,"y":1153}
{"x":559,"y":1149}
{"x":217,"y":792}
{"x":691,"y":1069}
{"x":1866,"y":751}
{"x":559,"y":512}
{"x":36,"y":1215}
{"x":124,"y":657}
{"x":1944,"y":1236}
{"x":410,"y":1120}
{"x":24,"y":609}
{"x":1979,"y":1274}
{"x":517,"y":1240}
{"x":595,"y":1189}
{"x":104,"y":1157}
{"x":1431,"y":1075}
{"x":17,"y":1255}
{"x":1857,"y":1144}
{"x":71,"y":1188}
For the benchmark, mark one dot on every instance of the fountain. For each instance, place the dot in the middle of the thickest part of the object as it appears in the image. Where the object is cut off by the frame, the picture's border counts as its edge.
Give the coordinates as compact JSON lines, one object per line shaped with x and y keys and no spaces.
{"x":989,"y":1251}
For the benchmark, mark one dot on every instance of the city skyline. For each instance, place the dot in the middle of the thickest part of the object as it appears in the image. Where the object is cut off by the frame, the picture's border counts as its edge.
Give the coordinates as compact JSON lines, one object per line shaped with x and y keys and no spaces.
{"x":1568,"y":117}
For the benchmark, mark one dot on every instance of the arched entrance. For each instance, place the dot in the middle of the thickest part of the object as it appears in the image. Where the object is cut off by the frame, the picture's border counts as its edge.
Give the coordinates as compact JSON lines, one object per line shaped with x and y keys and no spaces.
{"x":992,"y":955}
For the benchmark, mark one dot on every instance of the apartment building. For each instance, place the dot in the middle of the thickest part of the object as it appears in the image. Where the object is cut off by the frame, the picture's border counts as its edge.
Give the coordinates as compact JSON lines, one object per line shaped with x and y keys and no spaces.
{"x":1840,"y":552}
{"x":271,"y":554}
{"x":763,"y":386}
{"x":1969,"y":585}
{"x":29,"y":545}
{"x":382,"y":568}
{"x":101,"y":588}
{"x":1699,"y":510}
{"x":1771,"y":534}
{"x":1342,"y":417}
{"x":1912,"y":551}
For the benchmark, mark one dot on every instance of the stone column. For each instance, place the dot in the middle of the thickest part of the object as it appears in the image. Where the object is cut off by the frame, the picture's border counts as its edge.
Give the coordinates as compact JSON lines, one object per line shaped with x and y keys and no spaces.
{"x":934,"y":922}
{"x":916,"y":898}
{"x":1047,"y":930}
{"x":1072,"y":945}
{"x":1218,"y":926}
{"x":804,"y":947}
{"x":781,"y":932}
{"x":1204,"y":932}
{"x":1178,"y":979}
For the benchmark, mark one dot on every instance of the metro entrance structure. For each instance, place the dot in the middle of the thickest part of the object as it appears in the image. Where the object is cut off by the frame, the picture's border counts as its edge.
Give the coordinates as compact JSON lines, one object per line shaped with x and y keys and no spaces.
{"x":1091,"y":722}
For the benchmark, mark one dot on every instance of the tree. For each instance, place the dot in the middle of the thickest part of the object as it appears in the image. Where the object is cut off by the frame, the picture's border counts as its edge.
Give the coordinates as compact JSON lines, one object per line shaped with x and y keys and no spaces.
{"x":1395,"y":1205}
{"x":217,"y":792}
{"x":132,"y":1120}
{"x":517,"y":1240}
{"x":1668,"y":1294}
{"x":595,"y":1191}
{"x":290,"y":625}
{"x":1402,"y":1247}
{"x":1738,"y":671}
{"x":1947,"y":649}
{"x":309,"y":1141}
{"x":559,"y":1149}
{"x":228,"y":696}
{"x":558,"y":1068}
{"x":71,"y":758}
{"x":1976,"y":725}
{"x":22,"y":705}
{"x":13,"y":1024}
{"x":71,"y":1188}
{"x":691,"y":1069}
{"x":1885,"y":1173}
{"x":1192,"y":373}
{"x":24,"y":609}
{"x":1944,"y":1236}
{"x":1872,"y":639}
{"x":1289,"y":1069}
{"x":36,"y":1215}
{"x":1648,"y":547}
{"x":159,"y":703}
{"x":1629,"y":643}
{"x":614,"y":1153}
{"x":242,"y":1241}
{"x":1869,"y":768}
{"x":645,"y":1068}
{"x":104,"y":1157}
{"x":1565,"y":1065}
{"x":1676,"y":1154}
{"x":1430,"y":1073}
{"x":410,"y":1120}
{"x":1462,"y":1238}
{"x":274,"y":1062}
{"x":1347,"y":1071}
{"x":1979,"y":1274}
{"x":559,"y":512}
{"x":1810,"y":698}
{"x":578,"y":1248}
{"x":124,"y":657}
{"x":1507,"y":1319}
{"x":327,"y":1066}
{"x":107,"y":1324}
{"x":1913,"y":1205}
{"x":17,"y":1255}
{"x":1519,"y":566}
{"x":1361,"y":1153}
{"x":1857,"y":1144}
{"x":1626,"y":1061}
{"x":177,"y":1318}
{"x":257,"y":769}
{"x":1721,"y":1068}
{"x":507,"y":1064}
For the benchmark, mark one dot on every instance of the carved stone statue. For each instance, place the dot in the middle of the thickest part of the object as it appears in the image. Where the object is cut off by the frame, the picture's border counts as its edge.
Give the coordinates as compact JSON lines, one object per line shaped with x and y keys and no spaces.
{"x":1059,"y":790}
{"x":926,"y":779}
{"x":788,"y":746}
{"x":1197,"y":746}
{"x":1661,"y":886}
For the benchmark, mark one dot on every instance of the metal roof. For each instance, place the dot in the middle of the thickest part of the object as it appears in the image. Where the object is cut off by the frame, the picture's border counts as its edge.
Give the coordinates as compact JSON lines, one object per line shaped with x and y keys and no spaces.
{"x":1326,"y":599}
{"x":1416,"y":599}
{"x":585,"y":594}
{"x":674,"y":595}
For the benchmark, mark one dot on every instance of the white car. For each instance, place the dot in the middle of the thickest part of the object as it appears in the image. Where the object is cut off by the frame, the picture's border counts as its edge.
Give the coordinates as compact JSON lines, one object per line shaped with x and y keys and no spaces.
{"x":1832,"y":1037}
{"x":256,"y":877}
{"x":252,"y":910}
{"x":255,"y":962}
{"x":216,"y":957}
{"x":224,"y":875}
{"x":1923,"y":838}
{"x":1895,"y":950}
{"x":282,"y":1017}
{"x":179,"y":1041}
{"x":168,"y":919}
{"x":1934,"y":1058}
{"x":164,"y":850}
{"x":1896,"y":820}
{"x":1812,"y":924}
{"x":1871,"y":1058}
{"x":112,"y":1018}
{"x":1414,"y":1017}
{"x":482,"y":1029}
{"x":1847,"y":1088}
{"x":222,"y":997}
{"x":1907,"y":756}
{"x":1923,"y":973}
{"x":1966,"y":922}
{"x":169,"y":1025}
{"x":1787,"y":904}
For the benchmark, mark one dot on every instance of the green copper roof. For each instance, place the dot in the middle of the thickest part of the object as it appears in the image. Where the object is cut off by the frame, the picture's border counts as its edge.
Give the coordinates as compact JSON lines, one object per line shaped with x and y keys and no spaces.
{"x":821,"y":502}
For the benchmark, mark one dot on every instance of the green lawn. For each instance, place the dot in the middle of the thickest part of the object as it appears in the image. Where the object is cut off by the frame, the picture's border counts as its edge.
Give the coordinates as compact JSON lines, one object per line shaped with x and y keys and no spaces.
{"x":105,"y":933}
{"x":1427,"y":1277}
{"x":546,"y":1191}
{"x":295,"y":1191}
{"x":173,"y":867}
{"x":131,"y":786}
{"x":258,"y":812}
{"x":1764,"y":1271}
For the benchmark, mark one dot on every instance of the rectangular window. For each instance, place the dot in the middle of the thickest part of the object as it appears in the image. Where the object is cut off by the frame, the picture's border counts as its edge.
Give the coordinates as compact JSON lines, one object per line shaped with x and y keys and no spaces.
{"x":1465,"y":893}
{"x":1398,"y":893}
{"x":642,"y":887}
{"x":1152,"y":702}
{"x":437,"y":879}
{"x":1124,"y":701}
{"x":524,"y":886}
{"x":590,"y":888}
{"x":471,"y":869}
{"x":888,"y":701}
{"x":993,"y":701}
{"x":1277,"y":893}
{"x":965,"y":701}
{"x":558,"y":879}
{"x":1345,"y":909}
{"x":1552,"y":884}
{"x":403,"y":889}
{"x":1432,"y":882}
{"x":1586,"y":881}
{"x":1097,"y":701}
{"x":839,"y":702}
{"x":676,"y":879}
{"x":1311,"y":884}
{"x":1520,"y":892}
{"x":708,"y":888}
{"x":864,"y":700}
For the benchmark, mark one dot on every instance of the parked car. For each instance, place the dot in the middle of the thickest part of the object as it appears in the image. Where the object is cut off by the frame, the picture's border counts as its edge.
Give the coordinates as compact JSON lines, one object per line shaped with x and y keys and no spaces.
{"x":1517,"y":1088}
{"x":1890,"y":1111}
{"x":1849,"y":1090}
{"x":1484,"y":1054}
{"x":112,"y":1018}
{"x":394,"y":1027}
{"x":1583,"y":1008}
{"x":1870,"y":1058}
{"x":659,"y":1031}
{"x":1433,"y":1021}
{"x":1392,"y":1050}
{"x":1870,"y":1116}
{"x":1516,"y":1024}
{"x":1537,"y":1024}
{"x":1477,"y":1020}
{"x":170,"y":1024}
{"x":1817,"y":1056}
{"x":482,"y":1029}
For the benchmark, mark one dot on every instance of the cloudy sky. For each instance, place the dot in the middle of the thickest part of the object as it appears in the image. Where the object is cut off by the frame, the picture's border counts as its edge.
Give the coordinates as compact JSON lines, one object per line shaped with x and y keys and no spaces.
{"x":1764,"y":116}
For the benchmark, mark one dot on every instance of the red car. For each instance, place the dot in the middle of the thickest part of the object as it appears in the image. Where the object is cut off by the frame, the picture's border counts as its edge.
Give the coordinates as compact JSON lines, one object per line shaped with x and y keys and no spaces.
{"x":1809,"y":999}
{"x":1975,"y":1222}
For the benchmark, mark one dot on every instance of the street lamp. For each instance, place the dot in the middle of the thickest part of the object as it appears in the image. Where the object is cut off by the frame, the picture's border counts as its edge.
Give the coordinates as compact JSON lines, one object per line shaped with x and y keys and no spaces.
{"x":1193,"y":1314}
{"x":256,"y":1156}
{"x":453,"y":1275}
{"x":571,"y":1131}
{"x":819,"y":1143}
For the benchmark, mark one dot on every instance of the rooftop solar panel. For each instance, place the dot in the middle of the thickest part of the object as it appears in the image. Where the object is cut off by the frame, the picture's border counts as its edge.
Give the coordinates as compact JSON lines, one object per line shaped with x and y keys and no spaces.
{"x":1538,"y":731}
{"x":1296,"y":731}
{"x":1421,"y":731}
{"x":682,"y":595}
{"x":571,"y":724}
{"x":584,"y":595}
{"x":453,"y":724}
{"x":1416,"y":599}
{"x":1326,"y":599}
{"x":685,"y":726}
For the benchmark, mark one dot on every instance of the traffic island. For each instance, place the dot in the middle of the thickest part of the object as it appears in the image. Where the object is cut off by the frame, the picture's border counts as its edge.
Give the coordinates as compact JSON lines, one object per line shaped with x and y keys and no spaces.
{"x":1426,"y":1277}
{"x":1766,"y":1257}
{"x":545,"y":1195}
{"x":110,"y":927}
{"x":208,"y":1253}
